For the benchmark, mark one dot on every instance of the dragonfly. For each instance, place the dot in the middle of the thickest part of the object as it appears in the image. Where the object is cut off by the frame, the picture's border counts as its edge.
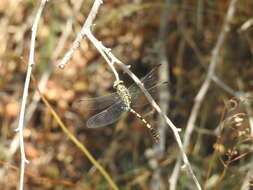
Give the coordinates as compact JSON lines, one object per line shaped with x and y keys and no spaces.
{"x":123,"y":100}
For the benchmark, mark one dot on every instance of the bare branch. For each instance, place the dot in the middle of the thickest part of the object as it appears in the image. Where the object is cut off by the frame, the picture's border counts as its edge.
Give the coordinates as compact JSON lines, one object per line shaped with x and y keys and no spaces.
{"x":86,"y":26}
{"x":25,"y":94}
{"x":205,"y":86}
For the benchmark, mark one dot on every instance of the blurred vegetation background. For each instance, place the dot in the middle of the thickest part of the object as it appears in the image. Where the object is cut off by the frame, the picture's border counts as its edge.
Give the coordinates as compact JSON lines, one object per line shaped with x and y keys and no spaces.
{"x":131,"y":29}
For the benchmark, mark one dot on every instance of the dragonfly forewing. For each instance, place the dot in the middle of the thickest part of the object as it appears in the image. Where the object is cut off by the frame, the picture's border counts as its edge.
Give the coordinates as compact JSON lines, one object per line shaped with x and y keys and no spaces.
{"x":139,"y":96}
{"x":98,"y":103}
{"x":148,"y":81}
{"x":108,"y":116}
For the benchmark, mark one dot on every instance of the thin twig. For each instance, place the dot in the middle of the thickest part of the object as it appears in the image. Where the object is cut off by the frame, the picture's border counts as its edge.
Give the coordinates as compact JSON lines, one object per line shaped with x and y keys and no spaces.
{"x":205,"y":86}
{"x":87,"y":25}
{"x":86,"y":30}
{"x":25,"y":94}
{"x":225,"y":87}
{"x":104,"y":52}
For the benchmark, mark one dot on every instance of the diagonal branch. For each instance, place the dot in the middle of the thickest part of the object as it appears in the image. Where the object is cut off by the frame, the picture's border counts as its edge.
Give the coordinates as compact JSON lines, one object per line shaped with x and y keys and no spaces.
{"x":111,"y":60}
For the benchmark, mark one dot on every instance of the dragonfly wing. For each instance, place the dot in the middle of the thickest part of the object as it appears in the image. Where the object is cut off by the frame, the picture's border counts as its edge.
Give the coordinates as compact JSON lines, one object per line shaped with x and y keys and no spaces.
{"x":139,"y":96}
{"x":107,"y":116}
{"x":149,"y":81}
{"x":97,"y":103}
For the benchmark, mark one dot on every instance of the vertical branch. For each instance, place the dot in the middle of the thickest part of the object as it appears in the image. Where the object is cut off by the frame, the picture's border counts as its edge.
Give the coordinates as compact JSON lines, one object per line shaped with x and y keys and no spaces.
{"x":205,"y":86}
{"x":25,"y":95}
{"x":66,"y":31}
{"x":163,"y":72}
{"x":164,"y":96}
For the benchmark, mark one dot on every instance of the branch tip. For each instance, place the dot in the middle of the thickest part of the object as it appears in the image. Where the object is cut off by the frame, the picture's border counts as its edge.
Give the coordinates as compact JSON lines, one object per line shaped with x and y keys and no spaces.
{"x":61,"y":66}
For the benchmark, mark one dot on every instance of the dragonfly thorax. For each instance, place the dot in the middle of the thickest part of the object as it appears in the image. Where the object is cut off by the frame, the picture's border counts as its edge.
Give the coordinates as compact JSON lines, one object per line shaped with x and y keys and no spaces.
{"x":123,"y":93}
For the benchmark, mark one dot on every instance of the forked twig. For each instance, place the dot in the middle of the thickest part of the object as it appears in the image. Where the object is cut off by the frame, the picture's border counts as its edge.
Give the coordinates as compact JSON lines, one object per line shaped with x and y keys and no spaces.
{"x":86,"y":30}
{"x":111,"y":60}
{"x":25,"y":94}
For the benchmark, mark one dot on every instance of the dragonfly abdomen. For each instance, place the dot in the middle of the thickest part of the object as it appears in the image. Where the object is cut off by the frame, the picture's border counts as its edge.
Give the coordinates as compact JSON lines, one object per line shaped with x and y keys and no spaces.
{"x":152,"y":130}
